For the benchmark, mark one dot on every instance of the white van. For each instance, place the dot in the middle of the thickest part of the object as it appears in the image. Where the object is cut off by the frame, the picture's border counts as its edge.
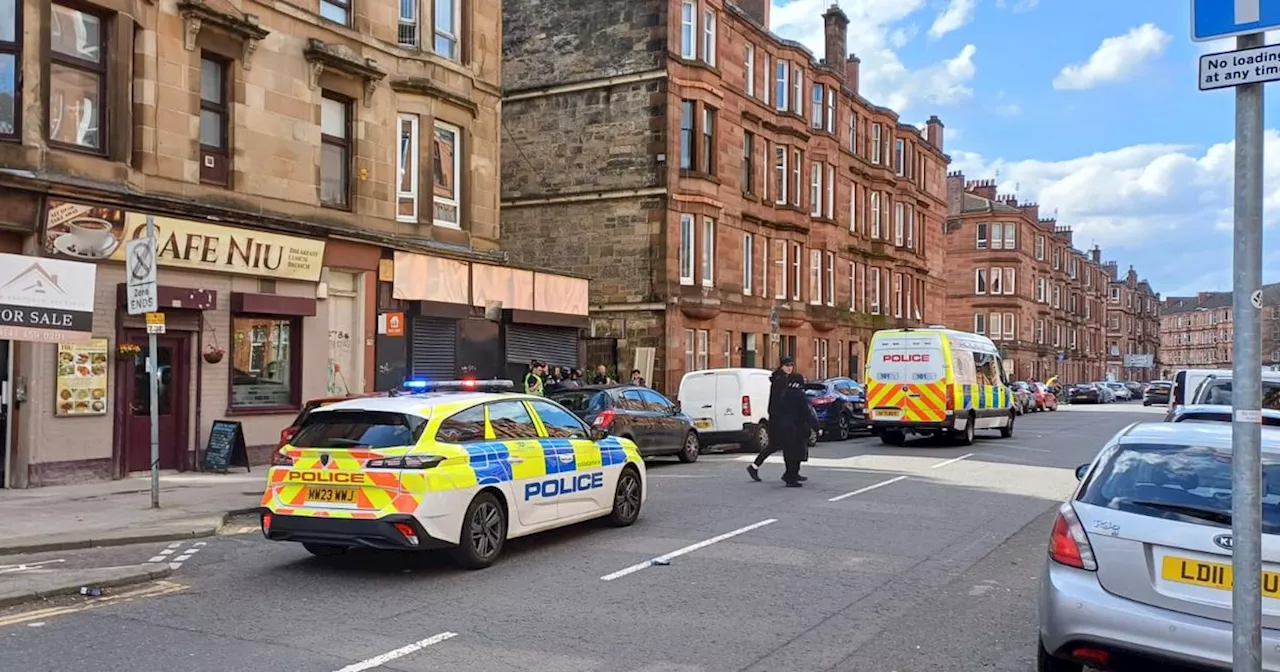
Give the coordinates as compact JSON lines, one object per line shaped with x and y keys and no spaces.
{"x":728,"y":405}
{"x":1213,"y":386}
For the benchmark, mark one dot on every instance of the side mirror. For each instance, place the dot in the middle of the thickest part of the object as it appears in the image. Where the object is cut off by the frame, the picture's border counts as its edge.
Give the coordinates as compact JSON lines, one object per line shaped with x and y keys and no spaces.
{"x":598,"y":433}
{"x":1081,"y":471}
{"x":677,"y":408}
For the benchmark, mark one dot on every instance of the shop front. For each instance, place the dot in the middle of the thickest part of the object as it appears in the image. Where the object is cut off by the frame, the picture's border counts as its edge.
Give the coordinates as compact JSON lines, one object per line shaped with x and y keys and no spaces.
{"x":247,"y":337}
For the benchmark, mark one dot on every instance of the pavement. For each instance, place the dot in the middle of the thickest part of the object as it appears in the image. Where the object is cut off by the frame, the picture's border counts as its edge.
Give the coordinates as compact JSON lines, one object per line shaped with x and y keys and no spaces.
{"x":912,"y":559}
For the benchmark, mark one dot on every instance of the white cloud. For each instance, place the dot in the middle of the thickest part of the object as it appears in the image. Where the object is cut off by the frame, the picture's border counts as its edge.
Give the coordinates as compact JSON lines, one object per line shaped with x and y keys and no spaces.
{"x":954,"y":17}
{"x":1017,"y":5}
{"x":877,"y":28}
{"x":1008,"y":110}
{"x":1164,"y":208}
{"x":1116,"y":59}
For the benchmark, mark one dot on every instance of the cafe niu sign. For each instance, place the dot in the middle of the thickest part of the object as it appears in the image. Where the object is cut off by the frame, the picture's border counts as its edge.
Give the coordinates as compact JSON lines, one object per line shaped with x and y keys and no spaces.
{"x":96,"y":233}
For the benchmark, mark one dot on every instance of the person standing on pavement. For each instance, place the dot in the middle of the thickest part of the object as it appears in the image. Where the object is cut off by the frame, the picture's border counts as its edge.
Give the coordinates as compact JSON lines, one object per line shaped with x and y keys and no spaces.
{"x":533,"y":381}
{"x":602,"y":376}
{"x":777,"y":385}
{"x":797,"y":422}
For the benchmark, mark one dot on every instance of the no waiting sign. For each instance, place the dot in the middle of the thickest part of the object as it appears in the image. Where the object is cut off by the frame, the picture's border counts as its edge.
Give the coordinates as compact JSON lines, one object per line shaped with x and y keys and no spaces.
{"x":140,"y":273}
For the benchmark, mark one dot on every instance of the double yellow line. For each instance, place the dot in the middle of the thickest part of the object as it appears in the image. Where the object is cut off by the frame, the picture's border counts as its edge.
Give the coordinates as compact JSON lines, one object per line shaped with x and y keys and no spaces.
{"x":156,"y":589}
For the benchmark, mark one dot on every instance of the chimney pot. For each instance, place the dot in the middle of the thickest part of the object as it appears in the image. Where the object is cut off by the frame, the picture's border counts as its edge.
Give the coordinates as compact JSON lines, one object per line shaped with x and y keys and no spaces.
{"x":756,"y":9}
{"x":933,"y":132}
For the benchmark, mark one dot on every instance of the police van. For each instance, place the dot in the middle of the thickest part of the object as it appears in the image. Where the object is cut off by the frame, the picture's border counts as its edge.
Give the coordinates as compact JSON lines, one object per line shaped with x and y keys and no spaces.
{"x":936,"y":381}
{"x":460,"y":465}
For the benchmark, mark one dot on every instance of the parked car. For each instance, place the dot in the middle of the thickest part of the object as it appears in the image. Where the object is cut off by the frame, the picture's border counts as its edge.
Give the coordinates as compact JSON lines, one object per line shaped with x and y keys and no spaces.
{"x":654,"y":423}
{"x":1108,"y":394}
{"x":1157,"y":392}
{"x":1085,"y":393}
{"x":1121,"y":391}
{"x":1213,"y":386}
{"x":1046,"y":400}
{"x":1024,"y":397}
{"x":1216,"y":413}
{"x":1137,"y":574}
{"x":728,"y":405}
{"x":840,"y":404}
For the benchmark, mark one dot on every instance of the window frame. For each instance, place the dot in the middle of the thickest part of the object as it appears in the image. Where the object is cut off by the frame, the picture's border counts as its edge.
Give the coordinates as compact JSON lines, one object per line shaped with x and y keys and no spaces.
{"x":829,"y":288}
{"x":899,"y":157}
{"x":899,"y":223}
{"x":455,"y":37}
{"x":707,"y":264}
{"x":687,"y":242}
{"x":980,"y":281}
{"x":341,"y":5}
{"x":797,"y":176}
{"x":749,"y":69}
{"x":707,"y":162}
{"x":295,"y":350}
{"x":981,"y":236}
{"x":875,"y":284}
{"x":831,"y":192}
{"x":223,"y":111}
{"x":816,"y":178}
{"x":877,"y":135}
{"x":415,"y":167}
{"x":101,"y":70}
{"x":748,"y":162}
{"x":797,"y":251}
{"x":14,"y":49}
{"x":815,"y":277}
{"x":782,"y":85}
{"x":709,"y":42}
{"x":456,"y":201}
{"x":782,"y":172}
{"x":980,"y":324}
{"x":1009,"y":284}
{"x":689,"y":42}
{"x":700,"y":354}
{"x":345,"y":144}
{"x":689,"y":140}
{"x":748,"y":262}
{"x":877,"y":229}
{"x":817,"y":98}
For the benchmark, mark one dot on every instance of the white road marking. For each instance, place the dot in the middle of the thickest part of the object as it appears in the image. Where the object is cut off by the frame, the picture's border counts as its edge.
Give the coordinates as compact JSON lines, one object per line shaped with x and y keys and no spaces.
{"x":158,"y":558}
{"x":175,"y":544}
{"x":167,"y":551}
{"x":687,"y":549}
{"x":869,"y":488}
{"x":1026,"y":448}
{"x":383,"y":659}
{"x":182,"y":558}
{"x":952,"y":461}
{"x":7,"y":569}
{"x":199,"y":543}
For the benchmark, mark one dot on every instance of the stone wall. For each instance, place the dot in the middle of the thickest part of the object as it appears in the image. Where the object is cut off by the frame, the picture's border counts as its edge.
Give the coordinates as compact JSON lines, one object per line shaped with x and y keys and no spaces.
{"x":553,"y":43}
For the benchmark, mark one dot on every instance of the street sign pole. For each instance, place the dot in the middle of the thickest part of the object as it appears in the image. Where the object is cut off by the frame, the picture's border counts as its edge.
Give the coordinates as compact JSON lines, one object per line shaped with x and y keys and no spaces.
{"x":1246,"y":385}
{"x":153,"y":365}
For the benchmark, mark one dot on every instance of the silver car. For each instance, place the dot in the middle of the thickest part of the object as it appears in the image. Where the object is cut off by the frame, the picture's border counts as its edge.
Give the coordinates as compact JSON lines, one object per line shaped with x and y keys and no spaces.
{"x":1134,"y":575}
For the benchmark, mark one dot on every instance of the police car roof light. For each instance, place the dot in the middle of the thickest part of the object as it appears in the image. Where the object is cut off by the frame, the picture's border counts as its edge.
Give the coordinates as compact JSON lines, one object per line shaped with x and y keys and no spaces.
{"x":469,"y":385}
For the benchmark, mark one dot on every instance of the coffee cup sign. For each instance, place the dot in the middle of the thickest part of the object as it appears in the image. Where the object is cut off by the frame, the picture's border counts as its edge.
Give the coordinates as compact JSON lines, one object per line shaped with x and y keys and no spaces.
{"x":83,"y":232}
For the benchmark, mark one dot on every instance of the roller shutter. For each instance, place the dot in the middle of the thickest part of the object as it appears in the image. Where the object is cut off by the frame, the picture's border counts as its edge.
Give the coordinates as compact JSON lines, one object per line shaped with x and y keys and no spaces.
{"x":435,"y":342}
{"x":557,"y":346}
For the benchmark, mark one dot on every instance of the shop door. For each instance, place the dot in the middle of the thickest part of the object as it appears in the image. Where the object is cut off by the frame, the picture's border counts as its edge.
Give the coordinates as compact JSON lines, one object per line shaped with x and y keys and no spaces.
{"x":174,"y":364}
{"x":6,"y":398}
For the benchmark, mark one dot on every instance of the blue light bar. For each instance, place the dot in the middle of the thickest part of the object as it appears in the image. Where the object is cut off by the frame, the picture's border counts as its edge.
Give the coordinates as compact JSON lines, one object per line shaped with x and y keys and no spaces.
{"x":416,"y":384}
{"x":469,"y":385}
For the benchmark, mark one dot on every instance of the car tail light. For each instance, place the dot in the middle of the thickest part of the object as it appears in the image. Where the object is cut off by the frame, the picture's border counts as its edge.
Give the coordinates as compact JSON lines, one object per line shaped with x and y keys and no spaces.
{"x":746,"y":406}
{"x":266,"y":524}
{"x":1068,"y":543}
{"x":287,"y":434}
{"x":406,"y":462}
{"x":951,"y":398}
{"x":280,"y":459}
{"x":824,"y":399}
{"x":409,"y":533}
{"x":605,"y":418}
{"x":1096,"y":658}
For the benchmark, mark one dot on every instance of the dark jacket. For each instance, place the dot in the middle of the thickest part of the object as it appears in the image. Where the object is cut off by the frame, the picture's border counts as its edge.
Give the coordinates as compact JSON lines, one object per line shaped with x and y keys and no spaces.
{"x":796,"y":418}
{"x":777,"y":385}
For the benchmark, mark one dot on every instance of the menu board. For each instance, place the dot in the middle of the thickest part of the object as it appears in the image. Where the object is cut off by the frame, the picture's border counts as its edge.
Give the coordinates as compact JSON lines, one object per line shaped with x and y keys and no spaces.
{"x":82,"y":378}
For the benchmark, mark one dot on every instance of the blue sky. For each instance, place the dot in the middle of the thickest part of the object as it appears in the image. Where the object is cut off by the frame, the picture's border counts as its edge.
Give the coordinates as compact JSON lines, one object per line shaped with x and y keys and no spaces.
{"x":1084,"y":106}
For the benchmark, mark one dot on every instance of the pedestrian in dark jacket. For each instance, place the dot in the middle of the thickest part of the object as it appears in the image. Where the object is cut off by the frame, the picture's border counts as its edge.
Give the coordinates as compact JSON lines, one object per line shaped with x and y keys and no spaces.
{"x":777,"y":385}
{"x":792,"y":427}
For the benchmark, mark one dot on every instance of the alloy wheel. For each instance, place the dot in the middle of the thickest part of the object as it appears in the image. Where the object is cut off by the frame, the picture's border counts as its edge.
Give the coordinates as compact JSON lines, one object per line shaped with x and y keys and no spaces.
{"x":486,"y":530}
{"x":626,"y":501}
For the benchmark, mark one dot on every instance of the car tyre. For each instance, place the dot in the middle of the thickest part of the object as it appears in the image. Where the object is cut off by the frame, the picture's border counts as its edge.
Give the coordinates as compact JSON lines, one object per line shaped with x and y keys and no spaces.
{"x":484,"y":533}
{"x":324,"y":550}
{"x":626,"y":498}
{"x":967,"y":436}
{"x":1045,"y":662}
{"x":1006,"y":432}
{"x":893,"y":437}
{"x":759,"y":438}
{"x":842,"y":428}
{"x":689,"y":452}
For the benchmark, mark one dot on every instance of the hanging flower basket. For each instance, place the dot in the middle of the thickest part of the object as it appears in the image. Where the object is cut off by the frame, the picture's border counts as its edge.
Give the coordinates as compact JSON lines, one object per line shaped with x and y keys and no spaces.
{"x":213,"y":354}
{"x":128,"y":351}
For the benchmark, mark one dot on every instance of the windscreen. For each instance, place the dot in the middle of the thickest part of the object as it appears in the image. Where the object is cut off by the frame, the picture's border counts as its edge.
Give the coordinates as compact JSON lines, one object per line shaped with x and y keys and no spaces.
{"x":1177,"y":482}
{"x":1218,"y":392}
{"x":907,"y":359}
{"x":337,"y":430}
{"x":814,"y":390}
{"x":581,"y":401}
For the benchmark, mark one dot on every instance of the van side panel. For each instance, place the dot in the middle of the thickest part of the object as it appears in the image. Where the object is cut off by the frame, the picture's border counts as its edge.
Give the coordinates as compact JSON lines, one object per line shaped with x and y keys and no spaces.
{"x":907,"y":378}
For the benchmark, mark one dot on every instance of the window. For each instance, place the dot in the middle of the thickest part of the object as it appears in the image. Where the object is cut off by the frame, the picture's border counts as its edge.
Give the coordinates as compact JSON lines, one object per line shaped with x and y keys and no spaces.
{"x":797,"y":90}
{"x":781,"y":261}
{"x":510,"y":420}
{"x":831,"y":191}
{"x":708,"y":252}
{"x":853,"y":286}
{"x":899,"y":158}
{"x":468,"y":425}
{"x":1010,"y":286}
{"x":688,"y":29}
{"x":1115,"y":295}
{"x":1039,"y":248}
{"x":335,"y":151}
{"x":1072,"y":343}
{"x":688,"y":350}
{"x":686,"y":135}
{"x":831,"y":110}
{"x":796,"y":252}
{"x":995,"y":326}
{"x":407,"y":170}
{"x":407,"y":33}
{"x":446,"y":157}
{"x":815,"y":277}
{"x":1009,"y":327}
{"x":919,"y":299}
{"x":996,"y":283}
{"x":707,"y":163}
{"x":686,"y":249}
{"x":853,"y":133}
{"x":1057,"y":258}
{"x":981,"y":243}
{"x":214,"y":150}
{"x":559,"y":423}
{"x":815,"y":112}
{"x":899,"y":223}
{"x":980,"y":323}
{"x":77,"y":79}
{"x":782,"y":84}
{"x":340,"y":430}
{"x":876,"y":232}
{"x":748,"y":252}
{"x":1041,"y":296}
{"x":764,"y":266}
{"x":700,"y":360}
{"x":875,"y":291}
{"x":446,"y":18}
{"x":853,"y":206}
{"x":815,"y":189}
{"x":875,"y":143}
{"x":10,"y":62}
{"x":911,"y":227}
{"x":780,"y":154}
{"x":1057,"y":296}
{"x":709,"y":37}
{"x":980,"y":281}
{"x":829,"y":289}
{"x":897,"y":295}
{"x":266,"y":362}
{"x":820,"y":357}
{"x":862,"y":287}
{"x":338,"y":11}
{"x":1040,"y":332}
{"x":749,"y":66}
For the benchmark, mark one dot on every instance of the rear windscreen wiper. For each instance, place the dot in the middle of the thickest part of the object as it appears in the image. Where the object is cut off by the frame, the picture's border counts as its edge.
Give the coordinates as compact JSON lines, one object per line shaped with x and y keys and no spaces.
{"x":1201,"y":512}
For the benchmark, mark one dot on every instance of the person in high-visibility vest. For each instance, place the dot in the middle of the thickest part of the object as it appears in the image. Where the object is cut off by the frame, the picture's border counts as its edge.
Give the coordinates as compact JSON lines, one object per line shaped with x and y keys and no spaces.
{"x":534,"y":380}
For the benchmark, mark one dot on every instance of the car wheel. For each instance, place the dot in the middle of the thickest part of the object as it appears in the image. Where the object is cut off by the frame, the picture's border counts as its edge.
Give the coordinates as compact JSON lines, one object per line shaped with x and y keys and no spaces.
{"x":966,"y":437}
{"x":1007,"y":431}
{"x":842,"y":428}
{"x":324,"y":550}
{"x":626,"y":499}
{"x":893,"y":438}
{"x":484,"y":533}
{"x":760,"y":440}
{"x":1047,"y":663}
{"x":689,"y":453}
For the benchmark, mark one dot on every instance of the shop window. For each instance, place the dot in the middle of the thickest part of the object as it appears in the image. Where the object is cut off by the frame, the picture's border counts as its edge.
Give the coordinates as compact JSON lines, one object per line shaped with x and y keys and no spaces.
{"x":335,"y":151}
{"x":446,"y":158}
{"x":77,"y":79}
{"x":215,"y":155}
{"x":337,"y":11}
{"x":266,"y":355}
{"x":559,"y":423}
{"x":10,"y":62}
{"x":407,"y":170}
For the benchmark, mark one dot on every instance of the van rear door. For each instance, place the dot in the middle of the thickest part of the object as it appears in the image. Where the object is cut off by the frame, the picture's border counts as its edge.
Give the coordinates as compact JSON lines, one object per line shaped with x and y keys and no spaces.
{"x":698,"y":399}
{"x":907,"y":379}
{"x":728,"y":402}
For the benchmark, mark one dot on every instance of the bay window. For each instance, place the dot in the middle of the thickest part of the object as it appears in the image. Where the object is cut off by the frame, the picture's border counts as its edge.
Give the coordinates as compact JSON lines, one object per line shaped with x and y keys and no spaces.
{"x":874,"y":285}
{"x":815,"y":277}
{"x":708,"y":252}
{"x":709,"y":37}
{"x":796,"y":254}
{"x":688,"y":29}
{"x":407,"y":169}
{"x":815,"y":189}
{"x":815,"y":110}
{"x":686,"y":249}
{"x":829,"y":287}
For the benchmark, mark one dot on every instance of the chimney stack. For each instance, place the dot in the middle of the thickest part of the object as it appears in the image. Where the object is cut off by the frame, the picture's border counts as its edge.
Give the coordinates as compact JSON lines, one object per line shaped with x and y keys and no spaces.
{"x":1113,"y":271}
{"x":756,"y":9}
{"x":982,"y":188}
{"x":1096,"y":254}
{"x":837,"y":34}
{"x":933,"y":132}
{"x":851,"y":72}
{"x":955,"y":192}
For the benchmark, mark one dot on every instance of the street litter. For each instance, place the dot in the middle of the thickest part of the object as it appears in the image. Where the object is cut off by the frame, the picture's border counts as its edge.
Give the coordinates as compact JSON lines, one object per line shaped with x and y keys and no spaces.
{"x":660,"y":562}
{"x":91,"y":592}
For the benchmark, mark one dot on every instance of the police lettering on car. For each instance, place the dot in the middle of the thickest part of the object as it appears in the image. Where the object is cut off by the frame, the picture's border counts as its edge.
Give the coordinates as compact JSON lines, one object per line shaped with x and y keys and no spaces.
{"x":554,"y":487}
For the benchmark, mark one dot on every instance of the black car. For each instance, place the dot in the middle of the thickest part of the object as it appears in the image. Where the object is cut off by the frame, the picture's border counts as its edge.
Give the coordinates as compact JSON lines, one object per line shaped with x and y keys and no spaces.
{"x":1157,"y":392}
{"x":1085,"y":393}
{"x":840,"y":404}
{"x":656,"y":424}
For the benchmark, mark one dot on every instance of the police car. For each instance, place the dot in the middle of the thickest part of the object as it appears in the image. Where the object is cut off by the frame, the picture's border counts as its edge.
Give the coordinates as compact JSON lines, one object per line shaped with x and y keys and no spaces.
{"x":458,"y":465}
